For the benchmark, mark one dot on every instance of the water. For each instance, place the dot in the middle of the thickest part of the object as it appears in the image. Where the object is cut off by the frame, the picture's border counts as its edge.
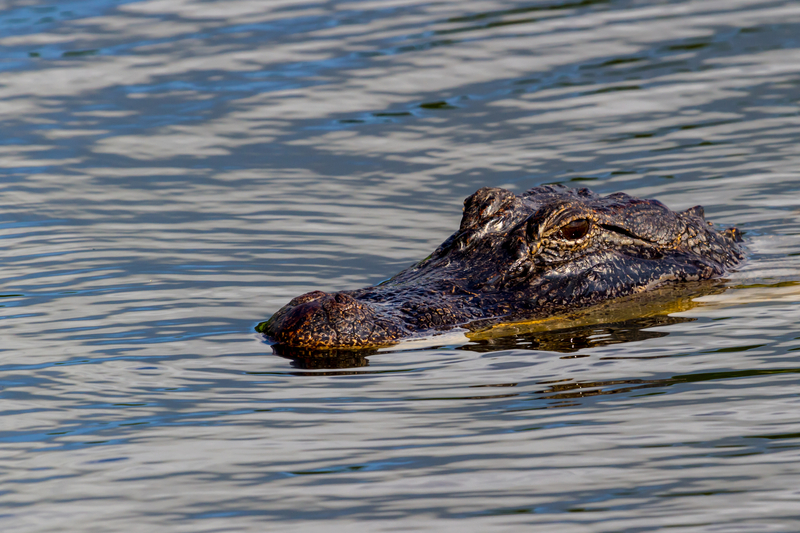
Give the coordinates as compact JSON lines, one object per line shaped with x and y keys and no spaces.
{"x":173,"y":172}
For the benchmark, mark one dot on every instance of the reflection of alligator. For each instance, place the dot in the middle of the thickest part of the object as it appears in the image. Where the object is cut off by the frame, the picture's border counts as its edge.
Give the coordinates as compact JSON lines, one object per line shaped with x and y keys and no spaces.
{"x":568,"y":340}
{"x":549,"y":251}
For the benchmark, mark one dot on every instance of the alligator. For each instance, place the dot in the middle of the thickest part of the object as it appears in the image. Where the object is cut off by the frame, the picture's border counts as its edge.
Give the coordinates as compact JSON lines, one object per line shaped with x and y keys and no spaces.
{"x":549,"y":251}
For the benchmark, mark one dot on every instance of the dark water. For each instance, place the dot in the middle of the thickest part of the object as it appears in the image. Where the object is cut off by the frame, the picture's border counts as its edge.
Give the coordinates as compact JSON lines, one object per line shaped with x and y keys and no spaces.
{"x":174,"y":171}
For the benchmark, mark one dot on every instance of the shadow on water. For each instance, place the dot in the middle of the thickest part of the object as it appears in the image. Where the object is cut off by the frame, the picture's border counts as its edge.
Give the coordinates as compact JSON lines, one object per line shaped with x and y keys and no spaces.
{"x":619,"y":321}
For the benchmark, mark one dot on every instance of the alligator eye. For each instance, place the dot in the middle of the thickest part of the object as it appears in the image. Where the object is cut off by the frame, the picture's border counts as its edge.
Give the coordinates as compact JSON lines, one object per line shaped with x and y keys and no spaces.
{"x":574,"y":230}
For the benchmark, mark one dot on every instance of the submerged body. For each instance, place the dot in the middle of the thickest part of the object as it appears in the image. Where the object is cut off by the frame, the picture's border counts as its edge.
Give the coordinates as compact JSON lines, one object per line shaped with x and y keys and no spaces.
{"x":548,"y":251}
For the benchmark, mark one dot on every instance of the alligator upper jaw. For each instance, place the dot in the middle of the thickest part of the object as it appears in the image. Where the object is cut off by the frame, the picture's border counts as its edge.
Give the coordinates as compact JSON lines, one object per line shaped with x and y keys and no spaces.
{"x":321,"y":320}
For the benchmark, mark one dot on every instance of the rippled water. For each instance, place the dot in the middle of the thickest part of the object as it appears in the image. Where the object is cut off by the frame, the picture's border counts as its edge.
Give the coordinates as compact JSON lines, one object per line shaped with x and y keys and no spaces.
{"x":174,"y":171}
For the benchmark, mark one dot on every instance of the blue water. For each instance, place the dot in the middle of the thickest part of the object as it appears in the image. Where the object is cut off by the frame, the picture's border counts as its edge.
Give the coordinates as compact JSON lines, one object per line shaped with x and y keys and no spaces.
{"x":173,"y":172}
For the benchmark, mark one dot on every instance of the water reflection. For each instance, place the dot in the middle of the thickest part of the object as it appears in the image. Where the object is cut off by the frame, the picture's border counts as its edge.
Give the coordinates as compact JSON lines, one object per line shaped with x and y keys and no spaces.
{"x":174,"y":170}
{"x":307,"y":358}
{"x":568,"y":340}
{"x":576,"y":339}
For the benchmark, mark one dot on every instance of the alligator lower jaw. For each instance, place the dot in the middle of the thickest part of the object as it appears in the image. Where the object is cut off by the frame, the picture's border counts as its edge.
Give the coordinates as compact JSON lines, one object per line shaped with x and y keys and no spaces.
{"x":322,"y":342}
{"x":315,"y":345}
{"x":661,"y":301}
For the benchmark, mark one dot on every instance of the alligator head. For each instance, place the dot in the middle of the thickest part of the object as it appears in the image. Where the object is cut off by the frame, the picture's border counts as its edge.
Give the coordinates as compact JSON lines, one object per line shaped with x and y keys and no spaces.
{"x":549,"y":251}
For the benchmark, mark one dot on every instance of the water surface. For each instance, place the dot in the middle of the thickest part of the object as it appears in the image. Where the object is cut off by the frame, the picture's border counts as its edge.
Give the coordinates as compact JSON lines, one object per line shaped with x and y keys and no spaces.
{"x":173,"y":172}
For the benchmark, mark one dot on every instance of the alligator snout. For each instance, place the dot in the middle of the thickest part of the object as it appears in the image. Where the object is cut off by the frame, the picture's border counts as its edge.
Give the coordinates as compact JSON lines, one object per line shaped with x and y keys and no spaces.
{"x":318,"y":319}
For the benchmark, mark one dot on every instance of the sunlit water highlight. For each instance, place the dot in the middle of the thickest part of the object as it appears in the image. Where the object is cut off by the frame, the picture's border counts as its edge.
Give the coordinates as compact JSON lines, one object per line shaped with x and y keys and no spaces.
{"x":174,"y":171}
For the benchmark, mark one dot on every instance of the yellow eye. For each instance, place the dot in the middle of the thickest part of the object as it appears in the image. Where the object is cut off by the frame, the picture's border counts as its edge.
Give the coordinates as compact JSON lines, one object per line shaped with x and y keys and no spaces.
{"x":575,"y":230}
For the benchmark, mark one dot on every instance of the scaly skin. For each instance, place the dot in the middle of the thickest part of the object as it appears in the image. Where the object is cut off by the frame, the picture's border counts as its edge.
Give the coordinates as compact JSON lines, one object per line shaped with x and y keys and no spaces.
{"x":549,"y":251}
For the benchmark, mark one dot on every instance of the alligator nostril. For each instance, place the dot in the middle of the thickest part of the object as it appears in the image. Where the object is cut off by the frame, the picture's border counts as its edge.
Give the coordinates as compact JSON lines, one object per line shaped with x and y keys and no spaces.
{"x":308,"y":297}
{"x":340,"y":298}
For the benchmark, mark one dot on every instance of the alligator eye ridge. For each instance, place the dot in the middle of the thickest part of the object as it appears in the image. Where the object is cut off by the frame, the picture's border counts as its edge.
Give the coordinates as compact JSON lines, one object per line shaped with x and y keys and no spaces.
{"x":574,"y":230}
